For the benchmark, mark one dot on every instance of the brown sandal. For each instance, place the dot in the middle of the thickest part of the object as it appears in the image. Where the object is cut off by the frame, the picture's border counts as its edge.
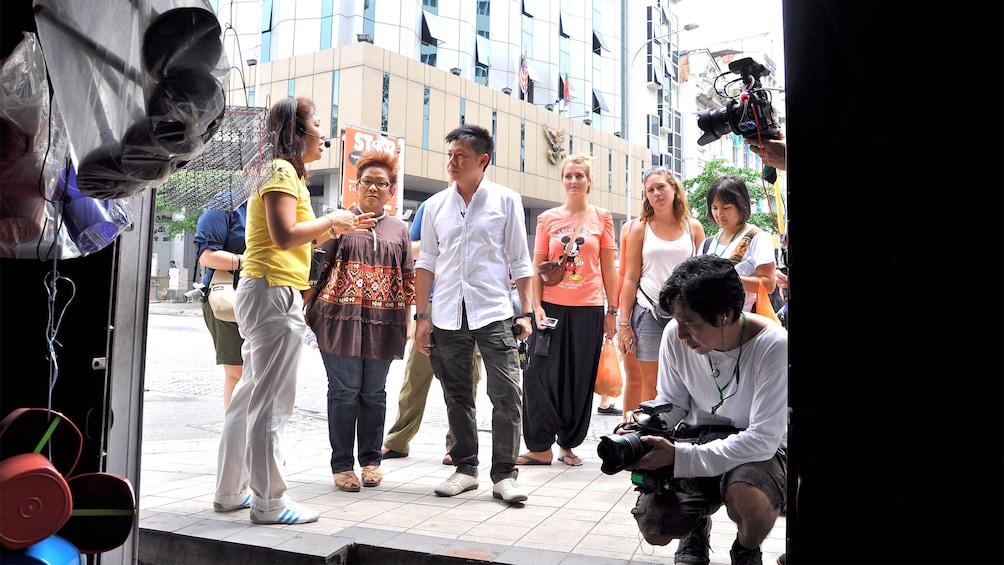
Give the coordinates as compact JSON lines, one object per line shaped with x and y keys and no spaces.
{"x":371,"y":476}
{"x":347,"y":481}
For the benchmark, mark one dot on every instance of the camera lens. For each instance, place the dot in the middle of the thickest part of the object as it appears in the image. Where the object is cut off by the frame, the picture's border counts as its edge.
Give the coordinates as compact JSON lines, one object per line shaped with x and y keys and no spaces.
{"x":714,"y":124}
{"x":618,"y":451}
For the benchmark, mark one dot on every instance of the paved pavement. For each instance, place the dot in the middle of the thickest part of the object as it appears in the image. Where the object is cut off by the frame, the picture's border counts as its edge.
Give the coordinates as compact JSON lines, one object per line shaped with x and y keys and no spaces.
{"x":574,"y":514}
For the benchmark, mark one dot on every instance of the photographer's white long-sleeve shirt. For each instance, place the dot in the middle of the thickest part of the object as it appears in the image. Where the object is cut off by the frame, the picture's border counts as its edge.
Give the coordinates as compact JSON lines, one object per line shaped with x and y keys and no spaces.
{"x":759,"y":405}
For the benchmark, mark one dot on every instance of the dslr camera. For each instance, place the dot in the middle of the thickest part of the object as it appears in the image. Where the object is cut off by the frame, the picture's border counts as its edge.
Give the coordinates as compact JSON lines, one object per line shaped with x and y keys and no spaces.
{"x":619,"y":451}
{"x":748,"y":113}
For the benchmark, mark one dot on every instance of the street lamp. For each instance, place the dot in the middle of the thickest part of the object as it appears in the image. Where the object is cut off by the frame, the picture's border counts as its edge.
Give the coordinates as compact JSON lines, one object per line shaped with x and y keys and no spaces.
{"x":627,"y":104}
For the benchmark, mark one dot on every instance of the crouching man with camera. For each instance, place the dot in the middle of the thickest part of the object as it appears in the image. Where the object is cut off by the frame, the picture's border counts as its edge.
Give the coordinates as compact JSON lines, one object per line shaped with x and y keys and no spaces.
{"x":722,"y":370}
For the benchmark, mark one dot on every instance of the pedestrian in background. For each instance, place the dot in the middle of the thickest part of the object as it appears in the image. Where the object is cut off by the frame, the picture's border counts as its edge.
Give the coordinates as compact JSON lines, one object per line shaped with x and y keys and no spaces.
{"x":666,"y":235}
{"x":269,"y":308}
{"x":418,"y":379}
{"x":360,"y":316}
{"x":219,"y":244}
{"x":473,"y":236}
{"x":564,"y":358}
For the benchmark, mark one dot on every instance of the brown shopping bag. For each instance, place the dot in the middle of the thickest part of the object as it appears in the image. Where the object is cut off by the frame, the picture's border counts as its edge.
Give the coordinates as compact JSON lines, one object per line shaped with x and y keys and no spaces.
{"x":608,"y":377}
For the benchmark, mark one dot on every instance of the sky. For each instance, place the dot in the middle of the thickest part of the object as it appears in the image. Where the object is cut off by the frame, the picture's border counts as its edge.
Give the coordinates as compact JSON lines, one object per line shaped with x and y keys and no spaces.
{"x":724,"y":21}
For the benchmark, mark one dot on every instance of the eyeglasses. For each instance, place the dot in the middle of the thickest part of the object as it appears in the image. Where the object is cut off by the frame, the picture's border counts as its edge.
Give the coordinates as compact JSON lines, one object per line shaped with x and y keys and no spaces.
{"x":365,"y":182}
{"x":659,"y":169}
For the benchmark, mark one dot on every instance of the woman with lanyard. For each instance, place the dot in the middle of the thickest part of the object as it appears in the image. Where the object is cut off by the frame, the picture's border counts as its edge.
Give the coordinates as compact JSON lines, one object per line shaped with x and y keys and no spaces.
{"x":750,"y":249}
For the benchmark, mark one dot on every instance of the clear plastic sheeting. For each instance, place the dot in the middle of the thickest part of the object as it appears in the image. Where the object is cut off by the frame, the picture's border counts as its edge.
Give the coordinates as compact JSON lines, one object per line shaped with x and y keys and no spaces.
{"x":140,"y":84}
{"x":230,"y":168}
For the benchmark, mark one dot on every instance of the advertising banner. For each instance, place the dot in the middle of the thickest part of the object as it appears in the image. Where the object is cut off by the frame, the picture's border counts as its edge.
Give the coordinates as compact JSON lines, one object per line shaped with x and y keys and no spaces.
{"x":355,"y":140}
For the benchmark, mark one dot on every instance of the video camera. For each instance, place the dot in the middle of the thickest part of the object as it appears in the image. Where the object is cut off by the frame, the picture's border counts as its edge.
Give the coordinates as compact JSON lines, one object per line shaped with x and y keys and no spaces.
{"x":618,"y":451}
{"x":749,"y":113}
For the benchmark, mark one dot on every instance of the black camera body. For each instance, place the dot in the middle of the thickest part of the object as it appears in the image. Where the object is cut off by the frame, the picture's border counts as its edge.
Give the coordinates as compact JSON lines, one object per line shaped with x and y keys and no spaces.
{"x":749,"y":114}
{"x":619,"y":451}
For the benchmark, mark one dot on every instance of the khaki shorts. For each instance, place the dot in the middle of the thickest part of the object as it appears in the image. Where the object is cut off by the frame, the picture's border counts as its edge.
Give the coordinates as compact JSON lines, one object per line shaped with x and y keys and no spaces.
{"x":226,"y":338}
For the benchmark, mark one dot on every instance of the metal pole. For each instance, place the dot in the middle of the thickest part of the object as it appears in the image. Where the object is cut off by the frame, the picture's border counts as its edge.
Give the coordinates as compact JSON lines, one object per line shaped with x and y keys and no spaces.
{"x":627,"y":122}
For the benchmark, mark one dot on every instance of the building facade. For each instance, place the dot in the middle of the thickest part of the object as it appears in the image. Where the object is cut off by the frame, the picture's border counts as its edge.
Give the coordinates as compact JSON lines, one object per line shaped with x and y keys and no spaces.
{"x":546,"y":78}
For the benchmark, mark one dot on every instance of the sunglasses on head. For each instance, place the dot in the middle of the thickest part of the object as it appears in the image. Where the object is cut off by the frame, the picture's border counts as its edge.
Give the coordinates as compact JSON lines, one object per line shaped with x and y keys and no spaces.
{"x":658,"y":169}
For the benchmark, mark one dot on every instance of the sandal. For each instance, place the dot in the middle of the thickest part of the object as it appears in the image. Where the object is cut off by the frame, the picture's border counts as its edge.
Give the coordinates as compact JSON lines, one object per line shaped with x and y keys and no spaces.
{"x":347,"y":481}
{"x":371,"y":476}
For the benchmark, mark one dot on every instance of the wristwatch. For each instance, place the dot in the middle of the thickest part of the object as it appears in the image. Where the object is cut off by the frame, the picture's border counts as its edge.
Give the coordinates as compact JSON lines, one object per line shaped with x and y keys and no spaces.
{"x":421,"y":316}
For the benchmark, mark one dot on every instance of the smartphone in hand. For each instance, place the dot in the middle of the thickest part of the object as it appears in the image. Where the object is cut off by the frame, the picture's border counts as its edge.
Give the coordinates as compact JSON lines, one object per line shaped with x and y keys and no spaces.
{"x":550,"y":322}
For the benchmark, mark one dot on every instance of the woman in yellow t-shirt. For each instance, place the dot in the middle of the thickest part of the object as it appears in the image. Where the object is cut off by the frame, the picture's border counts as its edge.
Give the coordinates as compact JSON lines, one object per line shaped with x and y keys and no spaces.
{"x":281,"y":228}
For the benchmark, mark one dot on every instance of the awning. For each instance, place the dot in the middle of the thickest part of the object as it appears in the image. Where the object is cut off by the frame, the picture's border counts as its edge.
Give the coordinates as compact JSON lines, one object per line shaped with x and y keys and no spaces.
{"x":484,"y":48}
{"x":432,"y":29}
{"x":532,"y":72}
{"x":599,"y":102}
{"x":598,"y":41}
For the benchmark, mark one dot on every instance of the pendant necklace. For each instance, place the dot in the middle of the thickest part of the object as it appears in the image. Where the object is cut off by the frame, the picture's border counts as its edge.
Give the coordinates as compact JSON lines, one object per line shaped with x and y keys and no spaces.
{"x":373,"y":229}
{"x":715,"y":373}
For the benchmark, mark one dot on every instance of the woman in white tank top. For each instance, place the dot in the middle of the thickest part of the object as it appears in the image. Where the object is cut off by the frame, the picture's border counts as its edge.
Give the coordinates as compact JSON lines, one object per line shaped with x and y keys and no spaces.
{"x":670,"y":235}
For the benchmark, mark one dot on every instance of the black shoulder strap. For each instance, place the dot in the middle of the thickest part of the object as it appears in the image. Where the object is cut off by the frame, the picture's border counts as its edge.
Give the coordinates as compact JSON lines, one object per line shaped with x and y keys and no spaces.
{"x":706,"y":245}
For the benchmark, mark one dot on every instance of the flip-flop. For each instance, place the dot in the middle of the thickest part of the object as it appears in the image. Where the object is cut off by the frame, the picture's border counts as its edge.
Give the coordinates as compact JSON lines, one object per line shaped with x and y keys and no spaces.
{"x":566,"y":458}
{"x":530,"y":460}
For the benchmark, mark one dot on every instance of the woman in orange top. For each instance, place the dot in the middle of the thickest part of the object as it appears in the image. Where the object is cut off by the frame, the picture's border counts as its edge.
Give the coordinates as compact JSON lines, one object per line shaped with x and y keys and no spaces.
{"x":558,"y":385}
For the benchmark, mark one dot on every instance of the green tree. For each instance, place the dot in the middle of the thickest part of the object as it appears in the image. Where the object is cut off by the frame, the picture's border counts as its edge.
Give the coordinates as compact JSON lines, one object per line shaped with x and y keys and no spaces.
{"x":190,"y":218}
{"x":697,"y":194}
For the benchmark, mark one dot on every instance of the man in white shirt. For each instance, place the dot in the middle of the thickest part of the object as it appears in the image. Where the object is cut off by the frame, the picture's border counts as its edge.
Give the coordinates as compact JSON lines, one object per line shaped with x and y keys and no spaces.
{"x":473,"y":235}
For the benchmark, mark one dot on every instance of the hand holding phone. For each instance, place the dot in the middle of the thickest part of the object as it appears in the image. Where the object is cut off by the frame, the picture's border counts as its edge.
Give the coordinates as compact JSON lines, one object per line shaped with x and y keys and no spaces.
{"x":550,"y":322}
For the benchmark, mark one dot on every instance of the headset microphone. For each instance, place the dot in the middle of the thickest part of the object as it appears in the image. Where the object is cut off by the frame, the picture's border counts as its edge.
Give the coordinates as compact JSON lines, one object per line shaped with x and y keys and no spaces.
{"x":327,"y":142}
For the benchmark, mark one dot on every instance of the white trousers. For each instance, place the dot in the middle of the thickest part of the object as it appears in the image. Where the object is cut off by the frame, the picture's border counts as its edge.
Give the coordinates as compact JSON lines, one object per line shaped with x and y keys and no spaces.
{"x":271,"y":321}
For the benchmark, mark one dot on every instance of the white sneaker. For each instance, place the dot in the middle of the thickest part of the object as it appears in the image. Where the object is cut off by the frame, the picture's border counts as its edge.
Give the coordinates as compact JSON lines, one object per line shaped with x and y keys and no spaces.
{"x":245,"y":503}
{"x":291,"y":513}
{"x":456,"y":484}
{"x":509,"y":491}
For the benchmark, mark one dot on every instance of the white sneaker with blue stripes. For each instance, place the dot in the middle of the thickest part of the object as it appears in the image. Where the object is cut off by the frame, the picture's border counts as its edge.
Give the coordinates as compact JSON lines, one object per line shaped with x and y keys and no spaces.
{"x":291,"y":513}
{"x":245,"y":502}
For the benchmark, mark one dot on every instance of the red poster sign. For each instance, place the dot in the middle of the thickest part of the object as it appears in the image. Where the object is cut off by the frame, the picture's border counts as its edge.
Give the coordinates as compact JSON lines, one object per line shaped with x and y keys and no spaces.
{"x":354,"y":142}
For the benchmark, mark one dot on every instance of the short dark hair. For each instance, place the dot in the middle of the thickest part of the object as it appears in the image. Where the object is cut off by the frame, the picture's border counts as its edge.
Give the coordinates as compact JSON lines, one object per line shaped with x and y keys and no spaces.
{"x":730,"y":189}
{"x":709,"y":284}
{"x":477,"y":137}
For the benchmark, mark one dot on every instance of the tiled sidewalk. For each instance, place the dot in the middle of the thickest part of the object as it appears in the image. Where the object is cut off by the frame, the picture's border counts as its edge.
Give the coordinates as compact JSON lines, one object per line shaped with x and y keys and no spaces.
{"x":573,"y":515}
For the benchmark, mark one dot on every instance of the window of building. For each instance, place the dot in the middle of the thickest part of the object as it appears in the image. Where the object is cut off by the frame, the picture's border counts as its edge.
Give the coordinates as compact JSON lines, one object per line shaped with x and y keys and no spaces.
{"x":599,"y":43}
{"x":432,"y":29}
{"x":335,"y":86}
{"x":599,"y":104}
{"x":425,"y":117}
{"x":385,"y":103}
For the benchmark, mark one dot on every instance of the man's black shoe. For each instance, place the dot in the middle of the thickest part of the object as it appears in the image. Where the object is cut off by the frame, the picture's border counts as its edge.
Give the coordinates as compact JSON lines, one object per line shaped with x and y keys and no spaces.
{"x":742,"y":556}
{"x":694,"y":548}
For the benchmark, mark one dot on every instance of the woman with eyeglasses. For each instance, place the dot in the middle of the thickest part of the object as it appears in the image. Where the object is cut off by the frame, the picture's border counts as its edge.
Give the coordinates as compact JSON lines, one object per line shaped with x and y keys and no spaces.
{"x":564,"y":357}
{"x":665,"y":235}
{"x":281,"y":227}
{"x":360,"y":314}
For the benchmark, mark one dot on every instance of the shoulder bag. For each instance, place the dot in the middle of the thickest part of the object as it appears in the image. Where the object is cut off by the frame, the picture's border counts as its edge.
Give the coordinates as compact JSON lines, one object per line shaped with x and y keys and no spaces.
{"x":553,"y":272}
{"x":222,"y":289}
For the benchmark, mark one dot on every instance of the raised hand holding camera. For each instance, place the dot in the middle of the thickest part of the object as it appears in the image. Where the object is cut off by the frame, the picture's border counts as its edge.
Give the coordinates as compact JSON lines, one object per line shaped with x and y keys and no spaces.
{"x":748,"y":113}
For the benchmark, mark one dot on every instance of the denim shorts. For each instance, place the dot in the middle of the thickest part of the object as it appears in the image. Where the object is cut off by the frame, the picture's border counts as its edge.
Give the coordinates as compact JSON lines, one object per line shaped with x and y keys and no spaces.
{"x":647,"y":333}
{"x":676,"y":513}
